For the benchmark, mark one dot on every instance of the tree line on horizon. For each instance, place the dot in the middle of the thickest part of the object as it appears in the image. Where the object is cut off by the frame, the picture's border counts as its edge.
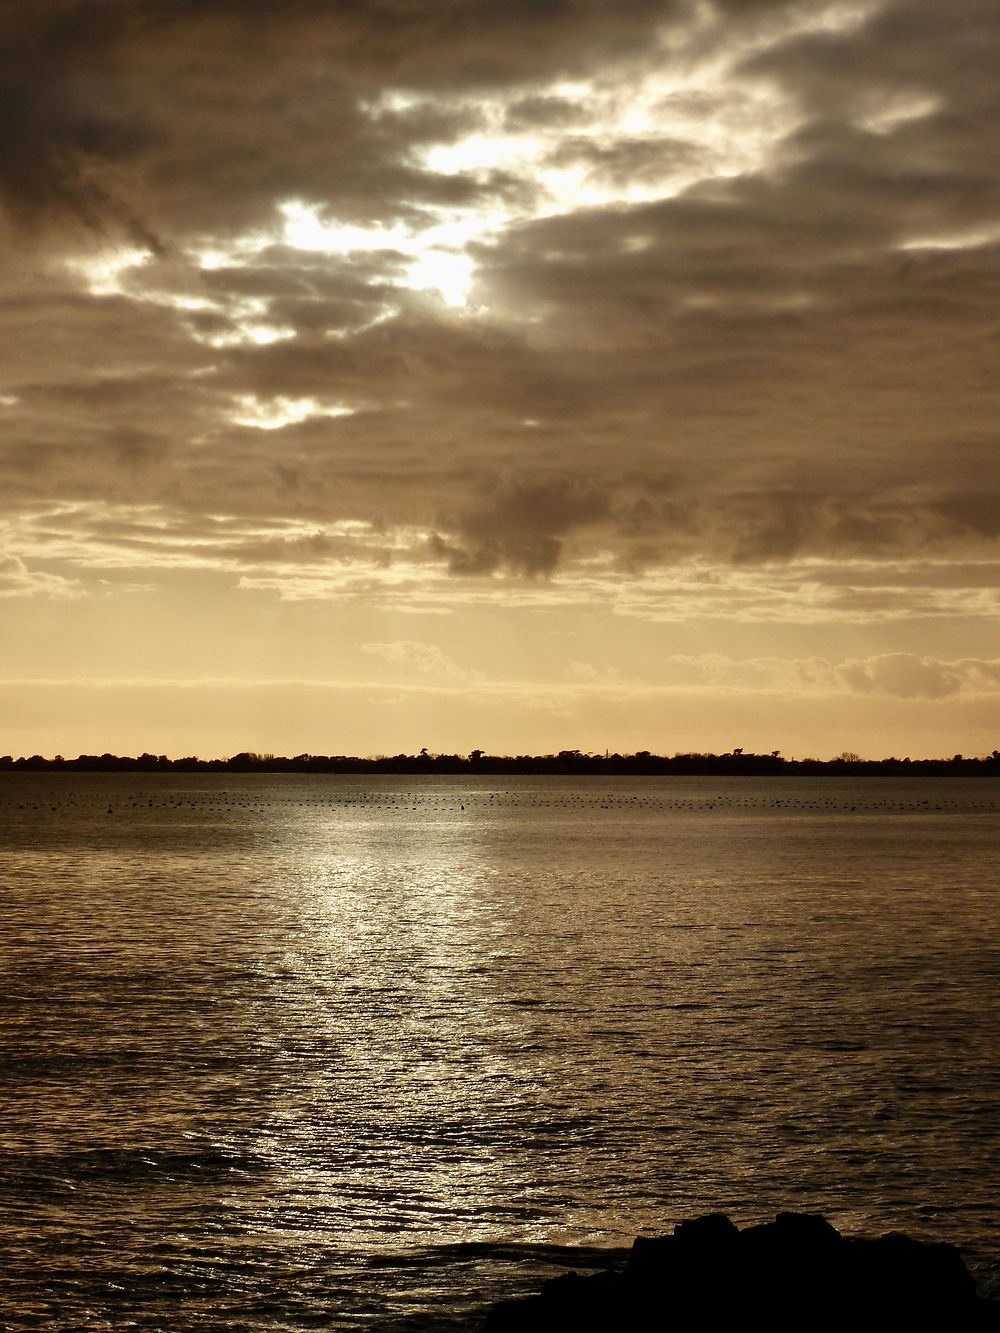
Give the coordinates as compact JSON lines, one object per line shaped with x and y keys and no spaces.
{"x":576,"y":762}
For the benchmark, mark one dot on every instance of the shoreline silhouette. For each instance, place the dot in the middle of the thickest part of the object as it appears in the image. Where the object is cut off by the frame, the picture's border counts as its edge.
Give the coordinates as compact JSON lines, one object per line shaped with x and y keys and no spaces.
{"x":642,"y":763}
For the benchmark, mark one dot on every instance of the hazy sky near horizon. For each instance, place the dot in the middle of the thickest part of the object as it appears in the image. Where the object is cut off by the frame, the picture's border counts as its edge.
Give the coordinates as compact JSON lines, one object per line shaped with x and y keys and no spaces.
{"x":556,"y":373}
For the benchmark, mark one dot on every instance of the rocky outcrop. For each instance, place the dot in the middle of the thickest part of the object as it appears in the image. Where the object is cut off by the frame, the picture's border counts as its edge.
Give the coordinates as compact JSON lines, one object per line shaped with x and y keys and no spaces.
{"x":797,"y":1272}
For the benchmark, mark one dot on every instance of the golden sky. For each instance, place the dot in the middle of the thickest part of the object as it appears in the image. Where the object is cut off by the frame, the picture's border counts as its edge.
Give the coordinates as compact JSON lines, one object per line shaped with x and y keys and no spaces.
{"x":525,"y":376}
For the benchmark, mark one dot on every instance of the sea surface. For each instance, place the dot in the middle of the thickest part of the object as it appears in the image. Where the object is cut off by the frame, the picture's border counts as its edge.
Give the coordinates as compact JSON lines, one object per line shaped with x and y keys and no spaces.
{"x":283,"y":1052}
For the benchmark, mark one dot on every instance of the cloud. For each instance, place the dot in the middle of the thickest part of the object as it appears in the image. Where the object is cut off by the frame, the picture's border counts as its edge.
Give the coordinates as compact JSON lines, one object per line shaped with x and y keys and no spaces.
{"x":896,"y":675}
{"x":304,"y":558}
{"x":730,"y":272}
{"x":599,"y":677}
{"x":121,"y":123}
{"x":521,"y":526}
{"x":423,"y":660}
{"x":908,"y":676}
{"x":16,"y":580}
{"x":715,"y":671}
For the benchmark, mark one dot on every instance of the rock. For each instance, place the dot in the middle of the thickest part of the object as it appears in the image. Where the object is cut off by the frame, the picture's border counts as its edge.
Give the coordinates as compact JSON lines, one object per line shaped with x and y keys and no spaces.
{"x":795,"y":1273}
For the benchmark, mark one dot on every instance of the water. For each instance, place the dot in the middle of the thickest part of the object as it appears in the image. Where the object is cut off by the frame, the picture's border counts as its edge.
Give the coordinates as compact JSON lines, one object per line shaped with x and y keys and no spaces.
{"x":296,"y":1052}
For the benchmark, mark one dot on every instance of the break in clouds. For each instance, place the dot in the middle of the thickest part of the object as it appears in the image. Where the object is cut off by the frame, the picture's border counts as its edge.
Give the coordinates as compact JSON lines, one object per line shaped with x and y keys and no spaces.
{"x":690,"y":308}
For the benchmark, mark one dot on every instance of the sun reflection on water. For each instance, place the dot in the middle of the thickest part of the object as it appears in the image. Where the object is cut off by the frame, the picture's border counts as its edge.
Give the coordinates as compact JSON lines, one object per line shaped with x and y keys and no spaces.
{"x":328,"y":1027}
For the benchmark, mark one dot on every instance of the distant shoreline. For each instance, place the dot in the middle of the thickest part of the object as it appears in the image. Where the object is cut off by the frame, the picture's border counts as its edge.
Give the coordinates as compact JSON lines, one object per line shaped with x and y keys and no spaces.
{"x":567,"y":763}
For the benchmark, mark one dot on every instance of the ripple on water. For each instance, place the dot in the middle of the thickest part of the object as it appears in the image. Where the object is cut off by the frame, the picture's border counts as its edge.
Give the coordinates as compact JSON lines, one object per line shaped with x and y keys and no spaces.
{"x":281,"y":1051}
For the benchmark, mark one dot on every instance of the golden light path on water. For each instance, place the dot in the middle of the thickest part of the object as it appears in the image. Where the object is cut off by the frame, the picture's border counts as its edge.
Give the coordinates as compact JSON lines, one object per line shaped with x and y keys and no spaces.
{"x":416,"y":926}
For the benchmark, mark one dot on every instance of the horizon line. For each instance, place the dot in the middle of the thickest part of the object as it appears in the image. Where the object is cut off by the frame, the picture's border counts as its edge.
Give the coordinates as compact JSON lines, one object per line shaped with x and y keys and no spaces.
{"x":477,"y":760}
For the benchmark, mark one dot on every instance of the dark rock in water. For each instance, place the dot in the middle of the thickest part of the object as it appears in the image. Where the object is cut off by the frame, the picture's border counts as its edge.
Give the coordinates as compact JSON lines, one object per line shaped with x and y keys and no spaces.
{"x":797,"y":1272}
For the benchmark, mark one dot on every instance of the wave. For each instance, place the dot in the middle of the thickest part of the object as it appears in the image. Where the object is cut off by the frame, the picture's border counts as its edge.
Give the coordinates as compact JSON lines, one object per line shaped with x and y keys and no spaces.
{"x":70,"y":1169}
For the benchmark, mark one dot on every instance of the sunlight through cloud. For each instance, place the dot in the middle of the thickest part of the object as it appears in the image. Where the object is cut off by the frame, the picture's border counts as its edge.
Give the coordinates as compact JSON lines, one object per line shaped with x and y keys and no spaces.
{"x":275,"y":413}
{"x":435,"y":260}
{"x":102,"y":274}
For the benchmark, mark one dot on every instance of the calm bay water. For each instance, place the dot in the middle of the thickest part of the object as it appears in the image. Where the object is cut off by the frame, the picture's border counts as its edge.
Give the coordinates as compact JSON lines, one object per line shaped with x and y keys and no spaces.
{"x":293,"y":1052}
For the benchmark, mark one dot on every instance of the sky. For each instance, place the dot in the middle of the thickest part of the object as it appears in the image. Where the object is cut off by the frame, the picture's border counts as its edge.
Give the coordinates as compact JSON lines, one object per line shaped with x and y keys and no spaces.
{"x":554,"y":374}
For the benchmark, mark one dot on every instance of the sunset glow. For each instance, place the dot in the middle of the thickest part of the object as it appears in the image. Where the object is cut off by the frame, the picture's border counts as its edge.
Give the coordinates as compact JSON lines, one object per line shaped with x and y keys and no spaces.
{"x":627,"y":373}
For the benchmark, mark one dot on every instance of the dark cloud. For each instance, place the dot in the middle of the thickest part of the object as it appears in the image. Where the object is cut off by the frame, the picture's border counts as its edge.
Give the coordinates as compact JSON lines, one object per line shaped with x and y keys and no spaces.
{"x":154,"y":116}
{"x":520,"y":527}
